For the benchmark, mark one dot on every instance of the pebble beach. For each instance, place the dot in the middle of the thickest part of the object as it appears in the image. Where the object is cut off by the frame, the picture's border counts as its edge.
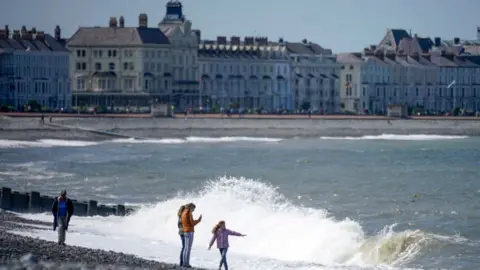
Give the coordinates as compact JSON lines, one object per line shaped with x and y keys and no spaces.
{"x":21,"y":252}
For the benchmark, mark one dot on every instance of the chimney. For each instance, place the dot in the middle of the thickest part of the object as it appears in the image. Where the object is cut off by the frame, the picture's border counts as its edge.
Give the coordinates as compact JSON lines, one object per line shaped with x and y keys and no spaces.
{"x":222,"y":40}
{"x":456,"y":40}
{"x":373,"y":48}
{"x":438,"y":42}
{"x":23,"y":31}
{"x":122,"y":22}
{"x":58,"y":33}
{"x":112,"y":23}
{"x":427,"y":56}
{"x":234,"y":40}
{"x":16,"y":34}
{"x":367,"y":52}
{"x":478,"y":33}
{"x":7,"y":31}
{"x":34,"y":30}
{"x":142,"y":20}
{"x":304,"y":41}
{"x":280,"y":40}
{"x":198,"y":34}
{"x":248,"y":41}
{"x":40,"y":36}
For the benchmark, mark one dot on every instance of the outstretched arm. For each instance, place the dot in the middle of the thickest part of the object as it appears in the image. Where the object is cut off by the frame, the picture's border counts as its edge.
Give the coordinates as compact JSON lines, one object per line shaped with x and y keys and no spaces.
{"x":214,"y":237}
{"x":234,"y":233}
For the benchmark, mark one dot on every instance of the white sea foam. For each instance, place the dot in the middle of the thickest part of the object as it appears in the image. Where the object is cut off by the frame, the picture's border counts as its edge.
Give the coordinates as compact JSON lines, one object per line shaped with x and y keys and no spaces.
{"x":394,"y":137}
{"x":280,"y":234}
{"x":69,"y":143}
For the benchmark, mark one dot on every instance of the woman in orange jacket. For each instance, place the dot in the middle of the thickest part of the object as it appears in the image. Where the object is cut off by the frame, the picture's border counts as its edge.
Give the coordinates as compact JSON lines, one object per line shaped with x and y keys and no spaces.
{"x":188,"y":224}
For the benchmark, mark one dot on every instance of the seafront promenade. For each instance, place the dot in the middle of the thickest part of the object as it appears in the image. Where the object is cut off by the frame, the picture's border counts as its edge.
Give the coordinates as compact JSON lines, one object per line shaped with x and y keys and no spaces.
{"x":235,"y":116}
{"x":99,"y":128}
{"x":34,"y":202}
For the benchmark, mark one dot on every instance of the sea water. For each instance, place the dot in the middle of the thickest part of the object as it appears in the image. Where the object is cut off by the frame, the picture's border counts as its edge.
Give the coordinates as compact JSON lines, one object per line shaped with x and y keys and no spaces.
{"x":375,"y":202}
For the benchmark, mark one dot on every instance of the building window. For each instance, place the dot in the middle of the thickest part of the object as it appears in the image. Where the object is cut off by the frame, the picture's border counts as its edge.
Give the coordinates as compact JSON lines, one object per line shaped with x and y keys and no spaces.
{"x":114,"y":53}
{"x":83,"y":53}
{"x":109,"y":53}
{"x":111,"y":66}
{"x":416,"y":92}
{"x":95,"y":54}
{"x":98,"y":66}
{"x":125,"y":66}
{"x":79,"y":53}
{"x":79,"y":66}
{"x":146,"y":84}
{"x":84,"y":66}
{"x":80,"y":84}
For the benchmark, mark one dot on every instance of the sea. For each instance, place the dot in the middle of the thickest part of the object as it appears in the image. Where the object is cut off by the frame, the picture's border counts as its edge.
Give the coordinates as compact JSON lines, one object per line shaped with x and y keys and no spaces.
{"x":372,"y":202}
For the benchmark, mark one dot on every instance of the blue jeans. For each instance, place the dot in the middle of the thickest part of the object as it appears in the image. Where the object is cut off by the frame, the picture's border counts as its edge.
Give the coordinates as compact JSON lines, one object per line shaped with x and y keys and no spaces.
{"x":188,"y":236}
{"x":183,"y":248}
{"x":223,"y":261}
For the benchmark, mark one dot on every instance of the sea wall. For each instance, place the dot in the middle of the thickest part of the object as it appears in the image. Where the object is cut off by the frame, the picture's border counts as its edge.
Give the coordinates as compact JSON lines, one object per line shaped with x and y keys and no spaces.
{"x":34,"y":202}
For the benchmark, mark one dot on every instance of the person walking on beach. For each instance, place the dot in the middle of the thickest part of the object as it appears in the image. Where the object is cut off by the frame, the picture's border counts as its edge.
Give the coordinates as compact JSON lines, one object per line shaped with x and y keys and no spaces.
{"x":188,"y":224}
{"x":180,"y":232}
{"x":220,"y":234}
{"x":62,"y":210}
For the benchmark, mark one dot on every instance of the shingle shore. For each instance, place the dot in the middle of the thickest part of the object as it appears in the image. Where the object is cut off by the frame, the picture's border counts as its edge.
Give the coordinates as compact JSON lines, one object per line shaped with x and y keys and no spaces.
{"x":21,"y":252}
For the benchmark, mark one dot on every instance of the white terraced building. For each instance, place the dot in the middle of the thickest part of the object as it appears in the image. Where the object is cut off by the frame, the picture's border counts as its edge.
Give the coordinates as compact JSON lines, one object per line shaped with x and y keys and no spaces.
{"x":373,"y":80}
{"x":411,"y":70}
{"x":257,"y":74}
{"x":34,"y":66}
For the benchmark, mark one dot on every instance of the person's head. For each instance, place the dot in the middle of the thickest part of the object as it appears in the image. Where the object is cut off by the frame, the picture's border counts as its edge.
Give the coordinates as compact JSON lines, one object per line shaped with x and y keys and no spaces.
{"x":63,"y":193}
{"x":180,"y":211}
{"x":220,"y":225}
{"x":190,"y":206}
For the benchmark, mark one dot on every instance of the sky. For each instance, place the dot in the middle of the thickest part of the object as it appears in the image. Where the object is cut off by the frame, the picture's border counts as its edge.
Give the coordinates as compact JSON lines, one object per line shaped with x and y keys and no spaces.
{"x":340,"y":25}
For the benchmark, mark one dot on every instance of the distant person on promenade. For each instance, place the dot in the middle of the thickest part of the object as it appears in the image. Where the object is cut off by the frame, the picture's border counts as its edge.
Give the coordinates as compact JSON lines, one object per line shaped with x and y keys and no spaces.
{"x":188,"y":224}
{"x":220,"y":234}
{"x":62,"y":210}
{"x":180,"y":232}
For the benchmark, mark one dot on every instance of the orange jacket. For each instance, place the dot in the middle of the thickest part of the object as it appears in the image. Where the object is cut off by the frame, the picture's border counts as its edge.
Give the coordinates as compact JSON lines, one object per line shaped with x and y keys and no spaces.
{"x":188,"y":222}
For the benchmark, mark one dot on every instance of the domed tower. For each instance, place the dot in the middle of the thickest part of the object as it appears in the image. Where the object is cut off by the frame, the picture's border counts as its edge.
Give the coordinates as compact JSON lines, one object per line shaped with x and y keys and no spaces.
{"x":174,"y":11}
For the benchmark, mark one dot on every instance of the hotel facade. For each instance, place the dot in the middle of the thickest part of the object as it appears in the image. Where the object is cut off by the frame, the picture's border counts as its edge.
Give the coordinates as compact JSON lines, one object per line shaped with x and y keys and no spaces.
{"x":412,"y":71}
{"x":34,"y":67}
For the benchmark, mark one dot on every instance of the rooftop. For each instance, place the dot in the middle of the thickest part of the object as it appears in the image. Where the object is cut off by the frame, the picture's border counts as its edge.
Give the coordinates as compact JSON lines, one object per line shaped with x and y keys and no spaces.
{"x":31,"y":40}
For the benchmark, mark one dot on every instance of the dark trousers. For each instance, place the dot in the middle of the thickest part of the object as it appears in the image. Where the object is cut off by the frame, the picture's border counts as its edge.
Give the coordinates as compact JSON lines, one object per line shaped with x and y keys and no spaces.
{"x":183,"y":248}
{"x":223,"y":261}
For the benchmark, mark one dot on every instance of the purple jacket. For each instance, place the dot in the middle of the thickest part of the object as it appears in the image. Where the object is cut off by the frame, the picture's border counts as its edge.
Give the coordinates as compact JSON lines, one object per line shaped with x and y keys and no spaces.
{"x":222,"y":237}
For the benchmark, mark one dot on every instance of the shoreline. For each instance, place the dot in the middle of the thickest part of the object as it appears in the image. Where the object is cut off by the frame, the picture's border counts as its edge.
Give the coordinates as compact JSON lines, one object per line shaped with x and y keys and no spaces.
{"x":30,"y":129}
{"x":235,"y":116}
{"x":14,"y":247}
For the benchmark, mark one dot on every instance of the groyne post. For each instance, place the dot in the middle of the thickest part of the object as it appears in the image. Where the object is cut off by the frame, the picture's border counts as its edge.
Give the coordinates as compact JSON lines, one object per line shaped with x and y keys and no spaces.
{"x":34,"y":202}
{"x":5,"y":199}
{"x":120,"y":210}
{"x":92,"y":208}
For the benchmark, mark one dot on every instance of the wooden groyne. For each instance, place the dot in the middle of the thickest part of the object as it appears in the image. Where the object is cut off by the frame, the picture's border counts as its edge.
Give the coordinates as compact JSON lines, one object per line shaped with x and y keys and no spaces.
{"x":33,"y":202}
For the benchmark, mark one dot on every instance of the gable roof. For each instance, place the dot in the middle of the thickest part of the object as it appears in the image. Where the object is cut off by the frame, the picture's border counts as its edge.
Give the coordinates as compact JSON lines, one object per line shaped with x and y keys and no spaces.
{"x":115,"y":36}
{"x":306,"y":48}
{"x":399,"y":34}
{"x":47,"y":44}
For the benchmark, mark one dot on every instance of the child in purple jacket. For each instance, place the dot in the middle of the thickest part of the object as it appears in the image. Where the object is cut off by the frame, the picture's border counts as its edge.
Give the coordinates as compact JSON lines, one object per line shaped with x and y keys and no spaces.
{"x":220,"y":234}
